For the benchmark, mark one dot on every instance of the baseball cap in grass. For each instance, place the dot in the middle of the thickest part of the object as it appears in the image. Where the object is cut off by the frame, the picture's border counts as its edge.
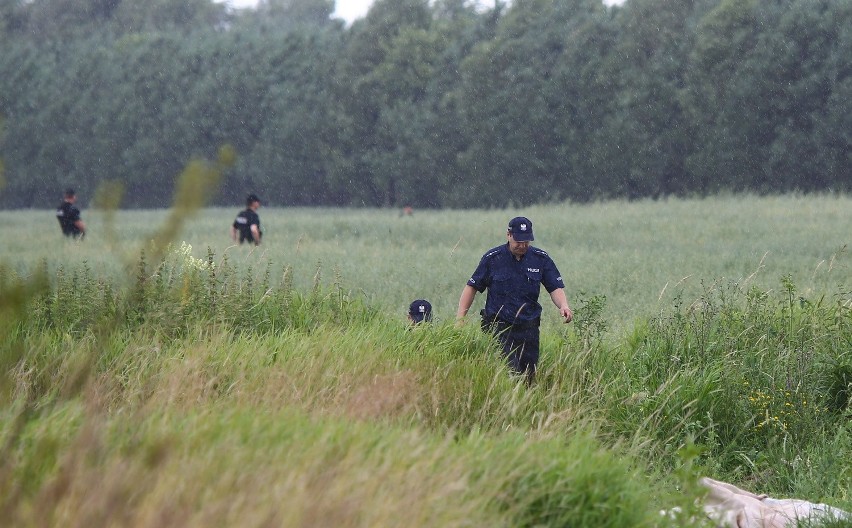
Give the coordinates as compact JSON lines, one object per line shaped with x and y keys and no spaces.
{"x":420,"y":310}
{"x":521,"y":229}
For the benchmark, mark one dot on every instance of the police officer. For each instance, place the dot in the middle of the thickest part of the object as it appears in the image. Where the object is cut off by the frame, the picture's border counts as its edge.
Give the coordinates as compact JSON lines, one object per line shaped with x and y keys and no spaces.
{"x":247,"y":223}
{"x":420,"y":311}
{"x":513,"y":274}
{"x":69,"y":216}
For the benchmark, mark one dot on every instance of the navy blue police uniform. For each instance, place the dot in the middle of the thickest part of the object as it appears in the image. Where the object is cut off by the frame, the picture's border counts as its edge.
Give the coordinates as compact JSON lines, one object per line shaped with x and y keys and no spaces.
{"x":243,"y":222}
{"x":68,"y":215}
{"x":512,"y":311}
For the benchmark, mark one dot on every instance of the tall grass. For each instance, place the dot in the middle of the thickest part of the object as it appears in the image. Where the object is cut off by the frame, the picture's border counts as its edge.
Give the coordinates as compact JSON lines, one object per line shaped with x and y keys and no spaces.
{"x":355,"y":421}
{"x":237,"y":387}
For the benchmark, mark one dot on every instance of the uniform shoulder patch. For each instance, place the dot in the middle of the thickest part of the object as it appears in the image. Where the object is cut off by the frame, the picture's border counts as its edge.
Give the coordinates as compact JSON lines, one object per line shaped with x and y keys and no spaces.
{"x":492,"y":252}
{"x":538,"y":251}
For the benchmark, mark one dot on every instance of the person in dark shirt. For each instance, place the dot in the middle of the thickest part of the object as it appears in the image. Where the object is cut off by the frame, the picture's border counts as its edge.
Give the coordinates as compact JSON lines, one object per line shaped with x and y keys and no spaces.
{"x":513,"y":275}
{"x":247,"y":224}
{"x":69,"y":216}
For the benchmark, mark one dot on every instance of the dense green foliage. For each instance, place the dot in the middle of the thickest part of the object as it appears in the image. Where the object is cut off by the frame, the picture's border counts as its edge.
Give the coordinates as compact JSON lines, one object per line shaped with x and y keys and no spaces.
{"x":168,"y":380}
{"x":187,"y":389}
{"x":434,"y":104}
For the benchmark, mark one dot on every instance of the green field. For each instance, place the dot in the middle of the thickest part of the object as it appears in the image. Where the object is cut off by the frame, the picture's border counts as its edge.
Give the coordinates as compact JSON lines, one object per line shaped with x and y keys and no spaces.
{"x":281,"y":387}
{"x":639,"y":255}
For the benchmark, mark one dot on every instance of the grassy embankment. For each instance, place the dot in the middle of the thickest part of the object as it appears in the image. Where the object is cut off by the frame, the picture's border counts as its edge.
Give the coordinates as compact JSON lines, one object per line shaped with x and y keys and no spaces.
{"x":281,"y":386}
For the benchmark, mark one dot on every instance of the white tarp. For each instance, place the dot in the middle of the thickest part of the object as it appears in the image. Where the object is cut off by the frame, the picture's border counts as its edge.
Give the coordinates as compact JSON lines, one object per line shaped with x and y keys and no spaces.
{"x":733,"y":507}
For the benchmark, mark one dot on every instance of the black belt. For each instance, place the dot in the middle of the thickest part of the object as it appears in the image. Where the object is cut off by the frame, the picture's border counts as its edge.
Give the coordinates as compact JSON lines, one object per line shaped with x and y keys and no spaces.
{"x":500,"y":324}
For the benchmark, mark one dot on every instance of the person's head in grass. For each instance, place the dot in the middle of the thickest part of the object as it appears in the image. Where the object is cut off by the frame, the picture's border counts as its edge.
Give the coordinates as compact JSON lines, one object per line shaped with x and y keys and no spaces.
{"x":420,"y":311}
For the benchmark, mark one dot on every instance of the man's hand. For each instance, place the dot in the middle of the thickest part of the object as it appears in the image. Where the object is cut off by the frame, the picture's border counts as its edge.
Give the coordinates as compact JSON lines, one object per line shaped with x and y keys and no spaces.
{"x":561,"y":303}
{"x":566,"y":312}
{"x":465,"y":301}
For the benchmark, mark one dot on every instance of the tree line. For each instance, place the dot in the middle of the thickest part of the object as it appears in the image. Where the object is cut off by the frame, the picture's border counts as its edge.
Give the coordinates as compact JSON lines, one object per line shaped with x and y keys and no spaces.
{"x":429,"y":104}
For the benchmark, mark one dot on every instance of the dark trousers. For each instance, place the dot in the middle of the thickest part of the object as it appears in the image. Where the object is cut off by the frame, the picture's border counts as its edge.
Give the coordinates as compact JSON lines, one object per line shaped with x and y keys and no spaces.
{"x":519,"y":343}
{"x":74,"y":233}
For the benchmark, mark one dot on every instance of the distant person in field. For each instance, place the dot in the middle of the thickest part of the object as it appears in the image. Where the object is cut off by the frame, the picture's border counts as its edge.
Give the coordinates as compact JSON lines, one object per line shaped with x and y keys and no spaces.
{"x":513,"y":275}
{"x":247,"y":224}
{"x":420,"y":311}
{"x":69,"y":216}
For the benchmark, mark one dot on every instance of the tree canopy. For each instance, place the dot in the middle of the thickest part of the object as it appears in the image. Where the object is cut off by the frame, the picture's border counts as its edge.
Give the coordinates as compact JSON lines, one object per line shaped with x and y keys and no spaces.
{"x":429,"y":104}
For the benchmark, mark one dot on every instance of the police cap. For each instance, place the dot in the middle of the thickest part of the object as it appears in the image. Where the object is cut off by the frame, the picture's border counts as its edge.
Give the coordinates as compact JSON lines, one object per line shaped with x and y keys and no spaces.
{"x":420,"y":310}
{"x":521,"y":229}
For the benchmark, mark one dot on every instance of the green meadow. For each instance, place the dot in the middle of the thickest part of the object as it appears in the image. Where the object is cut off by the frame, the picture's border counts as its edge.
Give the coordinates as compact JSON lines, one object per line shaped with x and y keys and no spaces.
{"x":638,"y":255}
{"x":203,"y":383}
